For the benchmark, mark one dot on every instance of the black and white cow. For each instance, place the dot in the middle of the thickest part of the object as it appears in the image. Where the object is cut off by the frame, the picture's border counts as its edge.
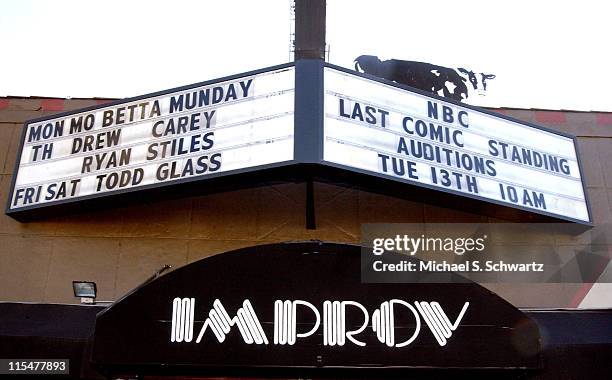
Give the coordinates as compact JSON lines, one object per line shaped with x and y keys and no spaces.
{"x":424,"y":76}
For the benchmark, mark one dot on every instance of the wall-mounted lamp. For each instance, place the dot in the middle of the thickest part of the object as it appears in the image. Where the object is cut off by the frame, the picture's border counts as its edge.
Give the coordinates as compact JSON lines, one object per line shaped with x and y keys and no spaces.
{"x":86,"y":290}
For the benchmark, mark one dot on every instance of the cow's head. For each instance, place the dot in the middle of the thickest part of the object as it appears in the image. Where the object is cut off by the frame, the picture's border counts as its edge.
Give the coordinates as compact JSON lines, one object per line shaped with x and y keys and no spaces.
{"x":368,"y":64}
{"x":479,"y":85}
{"x":471,"y":76}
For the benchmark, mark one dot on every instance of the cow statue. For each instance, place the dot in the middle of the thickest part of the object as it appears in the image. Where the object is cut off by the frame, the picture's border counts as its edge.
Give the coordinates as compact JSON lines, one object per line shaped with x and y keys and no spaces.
{"x":424,"y":76}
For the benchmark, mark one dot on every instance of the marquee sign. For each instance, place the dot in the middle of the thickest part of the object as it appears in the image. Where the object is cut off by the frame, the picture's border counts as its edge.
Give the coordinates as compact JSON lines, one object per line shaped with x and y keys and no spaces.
{"x":185,"y":134}
{"x":278,"y":119}
{"x":423,"y":140}
{"x":302,"y":306}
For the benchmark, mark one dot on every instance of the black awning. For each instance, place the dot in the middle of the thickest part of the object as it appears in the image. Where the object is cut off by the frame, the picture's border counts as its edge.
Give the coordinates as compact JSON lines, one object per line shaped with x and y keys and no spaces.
{"x":49,"y":331}
{"x":286,"y":309}
{"x":570,"y":327}
{"x":575,"y":343}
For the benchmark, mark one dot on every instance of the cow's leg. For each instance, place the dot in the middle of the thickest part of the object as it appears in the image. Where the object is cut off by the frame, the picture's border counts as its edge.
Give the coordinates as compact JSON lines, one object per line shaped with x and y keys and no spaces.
{"x":446,"y":92}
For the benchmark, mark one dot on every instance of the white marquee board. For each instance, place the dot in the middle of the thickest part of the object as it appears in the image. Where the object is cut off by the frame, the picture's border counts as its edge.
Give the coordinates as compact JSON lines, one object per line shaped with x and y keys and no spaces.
{"x":377,"y":128}
{"x":179,"y":135}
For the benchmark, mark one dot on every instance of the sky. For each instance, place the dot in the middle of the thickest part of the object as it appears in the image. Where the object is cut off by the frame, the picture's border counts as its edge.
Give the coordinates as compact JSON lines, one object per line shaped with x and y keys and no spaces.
{"x":545,"y":54}
{"x":111,"y":48}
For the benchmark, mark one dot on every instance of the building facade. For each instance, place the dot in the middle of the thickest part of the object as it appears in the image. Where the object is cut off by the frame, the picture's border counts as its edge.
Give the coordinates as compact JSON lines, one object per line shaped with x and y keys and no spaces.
{"x":119,"y":248}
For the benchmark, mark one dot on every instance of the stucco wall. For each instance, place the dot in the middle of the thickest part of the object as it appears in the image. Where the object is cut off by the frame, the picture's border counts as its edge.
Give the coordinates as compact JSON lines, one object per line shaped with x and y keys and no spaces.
{"x":120,"y":248}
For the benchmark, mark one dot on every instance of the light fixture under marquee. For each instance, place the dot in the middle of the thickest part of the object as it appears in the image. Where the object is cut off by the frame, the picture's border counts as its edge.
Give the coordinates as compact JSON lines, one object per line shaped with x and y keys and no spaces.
{"x":86,"y":290}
